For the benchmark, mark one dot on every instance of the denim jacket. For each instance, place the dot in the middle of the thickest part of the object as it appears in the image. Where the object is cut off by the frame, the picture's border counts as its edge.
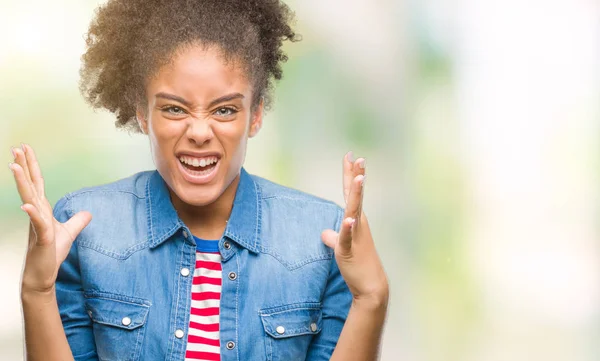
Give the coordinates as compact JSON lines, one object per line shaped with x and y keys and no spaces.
{"x":122,"y":294}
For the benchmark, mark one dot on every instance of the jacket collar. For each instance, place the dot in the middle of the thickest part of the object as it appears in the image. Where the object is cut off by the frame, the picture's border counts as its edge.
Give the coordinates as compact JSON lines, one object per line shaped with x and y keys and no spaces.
{"x":244,"y":223}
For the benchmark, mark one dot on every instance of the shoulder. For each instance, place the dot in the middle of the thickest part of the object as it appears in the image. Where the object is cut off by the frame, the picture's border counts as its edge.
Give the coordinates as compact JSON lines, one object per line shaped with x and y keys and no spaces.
{"x":287,"y":198}
{"x":113,"y":195}
{"x":118,"y":212}
{"x":270,"y":190}
{"x":291,"y":223}
{"x":134,"y":185}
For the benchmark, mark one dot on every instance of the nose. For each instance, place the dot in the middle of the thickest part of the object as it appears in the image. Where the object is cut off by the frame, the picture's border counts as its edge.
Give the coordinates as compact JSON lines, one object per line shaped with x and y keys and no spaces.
{"x":199,"y":131}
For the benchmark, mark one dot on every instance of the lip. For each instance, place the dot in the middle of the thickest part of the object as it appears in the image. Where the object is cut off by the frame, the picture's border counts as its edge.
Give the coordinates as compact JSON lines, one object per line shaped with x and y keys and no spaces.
{"x":204,"y":179}
{"x":197,"y":154}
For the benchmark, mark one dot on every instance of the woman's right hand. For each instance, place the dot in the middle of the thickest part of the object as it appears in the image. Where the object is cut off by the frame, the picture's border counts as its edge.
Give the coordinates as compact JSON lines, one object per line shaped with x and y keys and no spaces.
{"x":49,"y":239}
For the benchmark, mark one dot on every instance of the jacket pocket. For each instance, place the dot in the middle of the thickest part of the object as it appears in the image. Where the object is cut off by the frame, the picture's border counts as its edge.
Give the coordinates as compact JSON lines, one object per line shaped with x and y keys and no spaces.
{"x":118,"y":324}
{"x":289,"y":330}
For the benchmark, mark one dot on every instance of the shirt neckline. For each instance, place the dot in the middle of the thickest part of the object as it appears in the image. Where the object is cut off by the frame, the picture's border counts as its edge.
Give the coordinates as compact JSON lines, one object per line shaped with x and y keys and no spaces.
{"x":244,"y":224}
{"x":206,"y":245}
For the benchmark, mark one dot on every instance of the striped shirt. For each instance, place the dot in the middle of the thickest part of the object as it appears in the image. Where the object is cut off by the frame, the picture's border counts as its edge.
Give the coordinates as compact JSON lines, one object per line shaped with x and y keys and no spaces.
{"x":203,"y":334}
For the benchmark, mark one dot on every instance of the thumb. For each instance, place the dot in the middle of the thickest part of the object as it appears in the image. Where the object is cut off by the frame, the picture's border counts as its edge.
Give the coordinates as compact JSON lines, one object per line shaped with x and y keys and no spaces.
{"x":330,"y":238}
{"x":77,"y":223}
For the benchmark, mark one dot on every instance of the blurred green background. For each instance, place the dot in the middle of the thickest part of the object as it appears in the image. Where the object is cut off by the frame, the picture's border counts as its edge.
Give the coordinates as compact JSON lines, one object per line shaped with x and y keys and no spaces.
{"x":479,"y":122}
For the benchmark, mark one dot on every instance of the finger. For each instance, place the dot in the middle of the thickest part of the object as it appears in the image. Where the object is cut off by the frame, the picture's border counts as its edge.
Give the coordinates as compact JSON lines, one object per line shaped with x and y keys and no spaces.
{"x":359,"y":169}
{"x":40,"y":225}
{"x":330,"y":238}
{"x":354,"y":198}
{"x":23,"y":186}
{"x":344,"y":241}
{"x":34,"y":170}
{"x":348,"y":164}
{"x":22,"y":161}
{"x":77,"y":223}
{"x":359,"y":166}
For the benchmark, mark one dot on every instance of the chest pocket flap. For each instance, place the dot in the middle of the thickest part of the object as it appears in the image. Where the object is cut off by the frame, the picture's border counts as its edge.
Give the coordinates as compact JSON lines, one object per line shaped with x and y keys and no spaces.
{"x":292,"y":320}
{"x":118,"y":313}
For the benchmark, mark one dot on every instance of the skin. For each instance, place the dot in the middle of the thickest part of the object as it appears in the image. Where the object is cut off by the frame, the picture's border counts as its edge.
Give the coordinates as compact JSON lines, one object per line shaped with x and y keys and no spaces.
{"x":197,"y":122}
{"x":362,"y":270}
{"x":213,"y":114}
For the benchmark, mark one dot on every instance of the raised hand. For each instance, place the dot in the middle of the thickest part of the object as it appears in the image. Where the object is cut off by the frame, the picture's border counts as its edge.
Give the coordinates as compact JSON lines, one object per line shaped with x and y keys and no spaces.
{"x":354,"y":248}
{"x":49,"y":239}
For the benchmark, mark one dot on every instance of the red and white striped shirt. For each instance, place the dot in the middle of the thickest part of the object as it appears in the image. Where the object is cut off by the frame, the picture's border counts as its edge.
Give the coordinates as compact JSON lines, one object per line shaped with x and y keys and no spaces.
{"x":203,"y":333}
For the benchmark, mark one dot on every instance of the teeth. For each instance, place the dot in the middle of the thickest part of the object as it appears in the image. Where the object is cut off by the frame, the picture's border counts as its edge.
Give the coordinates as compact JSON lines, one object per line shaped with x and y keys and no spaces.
{"x":198,"y":162}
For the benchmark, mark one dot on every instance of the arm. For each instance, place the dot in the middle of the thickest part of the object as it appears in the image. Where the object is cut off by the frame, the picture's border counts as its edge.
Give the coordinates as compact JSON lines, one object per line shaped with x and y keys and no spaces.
{"x":335,"y":305}
{"x":361,"y":269}
{"x":355,"y":324}
{"x":76,"y":323}
{"x":49,"y":243}
{"x":44,"y":335}
{"x":361,"y":336}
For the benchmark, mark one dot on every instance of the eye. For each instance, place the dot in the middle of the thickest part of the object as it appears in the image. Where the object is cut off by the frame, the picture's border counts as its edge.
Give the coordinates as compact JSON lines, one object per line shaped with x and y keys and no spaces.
{"x":173,"y":110}
{"x":225,"y":112}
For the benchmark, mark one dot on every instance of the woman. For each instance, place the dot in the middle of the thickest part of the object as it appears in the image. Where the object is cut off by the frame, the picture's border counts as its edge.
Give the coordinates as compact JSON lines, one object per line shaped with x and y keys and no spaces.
{"x":198,"y":260}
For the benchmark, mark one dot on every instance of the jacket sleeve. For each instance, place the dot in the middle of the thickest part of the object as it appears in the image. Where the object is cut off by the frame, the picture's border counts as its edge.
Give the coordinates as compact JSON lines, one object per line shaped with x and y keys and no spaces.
{"x":69,"y":295}
{"x":335,"y":306}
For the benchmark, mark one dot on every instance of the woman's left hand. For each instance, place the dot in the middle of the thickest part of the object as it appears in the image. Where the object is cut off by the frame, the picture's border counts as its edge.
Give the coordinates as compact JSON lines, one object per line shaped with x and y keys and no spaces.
{"x":354,"y":248}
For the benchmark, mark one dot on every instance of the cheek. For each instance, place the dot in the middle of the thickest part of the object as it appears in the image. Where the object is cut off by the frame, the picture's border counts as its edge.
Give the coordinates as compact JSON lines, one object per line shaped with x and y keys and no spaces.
{"x":233,"y":140}
{"x":233,"y":135}
{"x":163,"y":137}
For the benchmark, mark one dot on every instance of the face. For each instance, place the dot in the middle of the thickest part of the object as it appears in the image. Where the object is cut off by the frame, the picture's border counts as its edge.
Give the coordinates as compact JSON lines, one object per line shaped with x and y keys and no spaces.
{"x":199,"y":119}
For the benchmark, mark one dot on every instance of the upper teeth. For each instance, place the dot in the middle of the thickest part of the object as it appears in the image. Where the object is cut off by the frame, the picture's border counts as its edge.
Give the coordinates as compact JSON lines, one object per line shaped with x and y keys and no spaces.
{"x":198,"y":162}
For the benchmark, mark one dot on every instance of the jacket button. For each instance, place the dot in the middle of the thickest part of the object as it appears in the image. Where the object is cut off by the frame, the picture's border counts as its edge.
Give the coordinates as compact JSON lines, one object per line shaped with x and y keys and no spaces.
{"x":313,"y":327}
{"x":179,"y":333}
{"x":280,"y":330}
{"x":230,"y":345}
{"x":185,"y":234}
{"x":232,"y":276}
{"x":227,"y":245}
{"x":185,"y":272}
{"x":126,"y":321}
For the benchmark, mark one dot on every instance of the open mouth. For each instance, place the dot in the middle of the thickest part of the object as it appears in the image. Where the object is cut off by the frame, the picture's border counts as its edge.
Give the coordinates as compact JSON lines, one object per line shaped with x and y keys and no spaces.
{"x":199,"y":166}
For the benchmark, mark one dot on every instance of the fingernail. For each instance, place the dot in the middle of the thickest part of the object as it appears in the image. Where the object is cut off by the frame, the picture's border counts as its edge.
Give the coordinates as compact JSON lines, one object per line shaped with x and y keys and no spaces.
{"x":351,"y":221}
{"x":350,"y":157}
{"x":10,"y":166}
{"x":362,"y":181}
{"x":23,"y":208}
{"x":23,"y":147}
{"x":361,"y":163}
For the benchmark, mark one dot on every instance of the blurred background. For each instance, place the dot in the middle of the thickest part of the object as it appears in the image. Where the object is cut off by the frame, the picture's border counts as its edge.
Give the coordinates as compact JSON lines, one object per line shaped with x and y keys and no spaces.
{"x":480,"y":124}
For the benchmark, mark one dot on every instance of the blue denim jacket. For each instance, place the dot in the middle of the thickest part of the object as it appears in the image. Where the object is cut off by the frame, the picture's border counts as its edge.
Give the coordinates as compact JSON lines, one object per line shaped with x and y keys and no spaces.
{"x":122,"y":295}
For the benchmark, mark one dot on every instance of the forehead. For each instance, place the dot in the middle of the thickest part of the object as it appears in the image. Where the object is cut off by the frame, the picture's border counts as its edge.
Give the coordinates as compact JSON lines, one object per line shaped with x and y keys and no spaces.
{"x":197,"y":72}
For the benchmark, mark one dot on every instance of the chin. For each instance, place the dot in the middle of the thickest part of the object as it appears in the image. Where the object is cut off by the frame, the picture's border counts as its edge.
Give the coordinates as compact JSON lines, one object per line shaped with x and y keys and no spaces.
{"x":198,"y":195}
{"x":200,"y":191}
{"x":199,"y":198}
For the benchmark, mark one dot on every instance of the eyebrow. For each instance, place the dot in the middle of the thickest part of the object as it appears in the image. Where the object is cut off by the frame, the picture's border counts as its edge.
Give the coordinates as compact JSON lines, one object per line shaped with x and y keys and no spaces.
{"x":173,"y":97}
{"x":188,"y":104}
{"x":226,"y":98}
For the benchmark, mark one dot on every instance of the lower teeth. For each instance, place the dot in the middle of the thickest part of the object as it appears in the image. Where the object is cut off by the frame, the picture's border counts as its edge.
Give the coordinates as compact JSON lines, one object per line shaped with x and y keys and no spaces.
{"x":198,"y":171}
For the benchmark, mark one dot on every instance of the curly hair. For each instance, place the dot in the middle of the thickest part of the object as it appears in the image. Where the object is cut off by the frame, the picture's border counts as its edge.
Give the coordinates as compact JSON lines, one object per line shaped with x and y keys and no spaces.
{"x":129,"y":40}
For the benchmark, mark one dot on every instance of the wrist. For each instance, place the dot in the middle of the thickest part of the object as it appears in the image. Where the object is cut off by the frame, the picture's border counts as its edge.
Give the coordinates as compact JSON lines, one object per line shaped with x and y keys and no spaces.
{"x":376,"y":301}
{"x":37,"y":295}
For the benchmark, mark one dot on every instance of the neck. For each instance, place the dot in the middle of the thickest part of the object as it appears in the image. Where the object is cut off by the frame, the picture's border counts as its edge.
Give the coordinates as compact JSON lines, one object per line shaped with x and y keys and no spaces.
{"x":208,"y":221}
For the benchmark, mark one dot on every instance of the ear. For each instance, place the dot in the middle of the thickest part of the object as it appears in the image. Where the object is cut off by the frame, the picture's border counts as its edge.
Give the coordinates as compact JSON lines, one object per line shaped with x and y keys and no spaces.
{"x":141,"y":118}
{"x":257,"y":119}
